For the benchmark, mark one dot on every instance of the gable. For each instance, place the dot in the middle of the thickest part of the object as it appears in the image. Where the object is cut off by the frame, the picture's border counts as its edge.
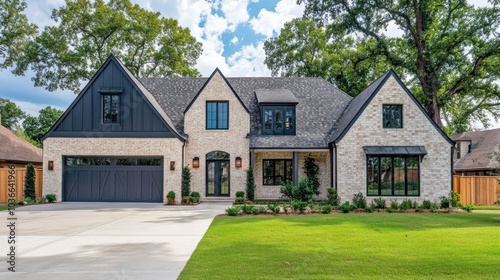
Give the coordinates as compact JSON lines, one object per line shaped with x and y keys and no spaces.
{"x":137,"y":114}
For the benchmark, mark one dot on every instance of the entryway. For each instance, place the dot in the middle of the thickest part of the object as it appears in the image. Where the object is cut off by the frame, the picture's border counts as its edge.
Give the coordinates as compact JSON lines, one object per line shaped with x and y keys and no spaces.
{"x":217,"y":176}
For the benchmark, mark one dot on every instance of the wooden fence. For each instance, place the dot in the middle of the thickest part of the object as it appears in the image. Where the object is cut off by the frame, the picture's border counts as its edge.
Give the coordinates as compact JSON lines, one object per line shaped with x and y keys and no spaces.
{"x":19,"y":177}
{"x":478,"y":190}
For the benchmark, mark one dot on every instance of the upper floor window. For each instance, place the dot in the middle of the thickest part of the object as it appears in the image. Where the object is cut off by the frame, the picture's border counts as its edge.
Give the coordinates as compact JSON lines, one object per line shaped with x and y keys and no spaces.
{"x":217,"y":115}
{"x":111,"y":108}
{"x":392,"y":116}
{"x":278,"y":120}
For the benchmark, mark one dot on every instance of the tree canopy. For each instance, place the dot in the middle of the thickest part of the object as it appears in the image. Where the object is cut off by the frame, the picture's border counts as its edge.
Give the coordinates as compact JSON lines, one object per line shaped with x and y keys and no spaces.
{"x":448,"y":53}
{"x":36,"y":127}
{"x":10,"y":114}
{"x":89,"y":31}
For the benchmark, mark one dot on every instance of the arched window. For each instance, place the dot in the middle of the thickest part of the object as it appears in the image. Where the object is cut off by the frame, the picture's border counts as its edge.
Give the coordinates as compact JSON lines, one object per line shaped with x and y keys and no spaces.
{"x":217,"y":155}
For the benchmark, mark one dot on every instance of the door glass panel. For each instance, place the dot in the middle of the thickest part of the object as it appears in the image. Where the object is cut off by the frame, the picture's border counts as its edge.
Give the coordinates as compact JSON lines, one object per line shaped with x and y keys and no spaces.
{"x":211,"y":178}
{"x":224,"y":188}
{"x":372,"y":175}
{"x":399,"y":176}
{"x":386,"y":174}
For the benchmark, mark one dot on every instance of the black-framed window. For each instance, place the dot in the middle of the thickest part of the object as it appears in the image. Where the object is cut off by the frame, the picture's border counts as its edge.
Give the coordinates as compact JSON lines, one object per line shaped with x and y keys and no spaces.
{"x":278,"y":120}
{"x":392,"y":116}
{"x":276,"y":171}
{"x":111,"y":108}
{"x":393,"y":176}
{"x":217,"y":115}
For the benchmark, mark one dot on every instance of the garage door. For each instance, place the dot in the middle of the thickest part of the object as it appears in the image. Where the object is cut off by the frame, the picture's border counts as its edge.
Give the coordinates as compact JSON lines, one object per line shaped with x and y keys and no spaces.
{"x":113,"y":179}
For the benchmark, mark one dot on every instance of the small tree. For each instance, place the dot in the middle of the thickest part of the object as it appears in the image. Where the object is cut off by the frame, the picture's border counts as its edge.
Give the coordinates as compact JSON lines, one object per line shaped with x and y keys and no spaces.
{"x":311,"y":169}
{"x":250,"y":184}
{"x":186,"y":181}
{"x":29,"y":182}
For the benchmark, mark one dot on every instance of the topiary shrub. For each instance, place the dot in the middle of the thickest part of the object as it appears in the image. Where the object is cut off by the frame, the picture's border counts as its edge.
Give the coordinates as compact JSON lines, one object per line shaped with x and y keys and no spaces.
{"x":51,"y":198}
{"x":250,"y":184}
{"x":233,"y":211}
{"x":186,"y":181}
{"x":29,"y":182}
{"x":333,"y":197}
{"x":171,"y":198}
{"x":240,"y":194}
{"x":239,"y":200}
{"x":195,"y":197}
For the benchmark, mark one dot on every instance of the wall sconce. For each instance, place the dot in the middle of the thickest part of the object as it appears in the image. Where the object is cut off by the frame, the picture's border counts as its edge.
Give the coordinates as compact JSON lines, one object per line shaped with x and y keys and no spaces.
{"x":196,"y":162}
{"x":237,"y":162}
{"x":51,"y":165}
{"x":172,"y":165}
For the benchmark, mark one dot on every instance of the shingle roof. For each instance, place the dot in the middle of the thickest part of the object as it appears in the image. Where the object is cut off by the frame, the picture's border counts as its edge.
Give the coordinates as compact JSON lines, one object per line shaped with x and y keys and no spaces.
{"x":283,"y":96}
{"x":16,"y":149}
{"x":320,"y":105}
{"x":484,"y":143}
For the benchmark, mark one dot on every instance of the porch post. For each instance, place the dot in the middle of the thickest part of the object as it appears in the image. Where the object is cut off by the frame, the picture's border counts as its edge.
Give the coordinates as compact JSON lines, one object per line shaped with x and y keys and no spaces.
{"x":295,"y":164}
{"x":252,"y":158}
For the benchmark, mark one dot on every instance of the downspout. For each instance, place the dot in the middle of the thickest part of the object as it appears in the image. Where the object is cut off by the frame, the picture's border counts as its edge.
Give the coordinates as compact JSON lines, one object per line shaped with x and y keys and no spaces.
{"x":451,"y":160}
{"x":183,"y":154}
{"x":336,"y":181}
{"x":331,"y":166}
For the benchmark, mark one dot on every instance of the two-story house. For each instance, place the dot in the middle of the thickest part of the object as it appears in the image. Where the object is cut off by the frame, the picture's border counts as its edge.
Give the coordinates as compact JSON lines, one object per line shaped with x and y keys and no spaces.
{"x":127,"y":139}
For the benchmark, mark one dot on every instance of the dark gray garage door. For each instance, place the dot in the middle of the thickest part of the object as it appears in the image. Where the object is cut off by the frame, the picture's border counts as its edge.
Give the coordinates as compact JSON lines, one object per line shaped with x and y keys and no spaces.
{"x":113,"y":179}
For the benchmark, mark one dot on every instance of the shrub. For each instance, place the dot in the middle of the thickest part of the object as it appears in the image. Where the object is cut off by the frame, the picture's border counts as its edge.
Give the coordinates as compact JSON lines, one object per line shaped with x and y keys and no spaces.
{"x":233,"y":211}
{"x":29,"y":200}
{"x":426,"y":204}
{"x":262,"y":210}
{"x":276,"y":210}
{"x":195,"y":194}
{"x":469,"y":207}
{"x":433,"y":207}
{"x":445,"y":202}
{"x":186,"y":200}
{"x":247,"y":209}
{"x":394,"y":205}
{"x":51,"y":198}
{"x":316,"y":208}
{"x":240,"y":194}
{"x":359,"y":201}
{"x":405,"y":205}
{"x":311,"y":169}
{"x":346,"y":207}
{"x":369,"y":209}
{"x":379,"y":203}
{"x":455,"y":199}
{"x":303,"y":192}
{"x":171,"y":198}
{"x":389,"y":210}
{"x":250,"y":184}
{"x":239,"y":200}
{"x":333,"y":197}
{"x":326,"y":209}
{"x":42,"y":199}
{"x":299,"y":205}
{"x":29,"y":182}
{"x":255,"y":211}
{"x":415,"y":205}
{"x":186,"y":181}
{"x":20,"y":202}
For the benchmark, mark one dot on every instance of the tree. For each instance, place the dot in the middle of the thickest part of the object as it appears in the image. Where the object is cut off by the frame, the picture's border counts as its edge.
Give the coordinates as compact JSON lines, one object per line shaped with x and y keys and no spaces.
{"x":29,"y":182}
{"x":449,"y":52}
{"x":186,"y":182}
{"x":15,"y":31}
{"x":10,"y":113}
{"x":250,"y":183}
{"x":36,"y":127}
{"x":89,"y":31}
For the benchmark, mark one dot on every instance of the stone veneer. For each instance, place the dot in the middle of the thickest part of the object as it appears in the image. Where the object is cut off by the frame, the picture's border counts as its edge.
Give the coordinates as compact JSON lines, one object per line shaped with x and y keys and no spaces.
{"x":273,"y":192}
{"x":55,"y":148}
{"x":435,"y":169}
{"x":202,"y":141}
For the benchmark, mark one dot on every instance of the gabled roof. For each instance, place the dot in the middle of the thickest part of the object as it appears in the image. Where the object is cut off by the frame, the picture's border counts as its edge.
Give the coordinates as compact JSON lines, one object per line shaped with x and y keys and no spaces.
{"x":361,"y":101}
{"x":275,"y":96}
{"x":483,"y":145}
{"x":16,"y":149}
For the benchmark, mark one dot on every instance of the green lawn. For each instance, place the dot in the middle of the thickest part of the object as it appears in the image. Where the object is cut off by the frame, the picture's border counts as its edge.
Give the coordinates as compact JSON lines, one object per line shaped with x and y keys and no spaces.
{"x":487,"y":207}
{"x":3,"y":207}
{"x":349,"y":246}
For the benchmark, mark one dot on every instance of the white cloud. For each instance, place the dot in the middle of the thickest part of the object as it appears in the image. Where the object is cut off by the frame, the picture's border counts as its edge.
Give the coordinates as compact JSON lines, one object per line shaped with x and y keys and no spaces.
{"x":235,"y":40}
{"x":249,"y":62}
{"x":235,"y":12}
{"x":267,"y":22}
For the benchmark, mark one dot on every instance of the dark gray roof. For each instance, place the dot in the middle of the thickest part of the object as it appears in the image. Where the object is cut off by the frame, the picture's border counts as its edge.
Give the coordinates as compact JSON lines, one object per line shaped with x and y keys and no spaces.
{"x":484,"y":144}
{"x":320,"y":105}
{"x":283,"y":96}
{"x":395,"y":150}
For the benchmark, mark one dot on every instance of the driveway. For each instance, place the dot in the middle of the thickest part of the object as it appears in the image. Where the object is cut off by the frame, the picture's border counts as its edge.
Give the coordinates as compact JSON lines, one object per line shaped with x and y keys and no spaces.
{"x":105,"y":240}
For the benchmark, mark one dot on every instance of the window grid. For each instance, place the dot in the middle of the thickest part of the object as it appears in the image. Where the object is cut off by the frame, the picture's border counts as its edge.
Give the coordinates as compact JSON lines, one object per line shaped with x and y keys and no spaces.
{"x":217,"y":115}
{"x":392,"y":116}
{"x":393,"y":176}
{"x":276,"y":171}
{"x":111,"y":108}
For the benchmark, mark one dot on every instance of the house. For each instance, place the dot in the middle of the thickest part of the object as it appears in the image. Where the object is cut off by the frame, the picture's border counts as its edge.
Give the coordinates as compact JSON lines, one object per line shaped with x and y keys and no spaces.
{"x":474,"y":150}
{"x":125,"y":139}
{"x":16,"y":153}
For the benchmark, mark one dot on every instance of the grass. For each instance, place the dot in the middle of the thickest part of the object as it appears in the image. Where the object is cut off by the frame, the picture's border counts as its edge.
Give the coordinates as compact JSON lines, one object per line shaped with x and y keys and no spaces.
{"x":3,"y":207}
{"x":349,"y":246}
{"x":487,"y":207}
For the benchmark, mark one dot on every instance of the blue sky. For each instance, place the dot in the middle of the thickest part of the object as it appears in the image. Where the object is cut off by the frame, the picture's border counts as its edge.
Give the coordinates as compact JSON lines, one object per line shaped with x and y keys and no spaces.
{"x":232,"y":32}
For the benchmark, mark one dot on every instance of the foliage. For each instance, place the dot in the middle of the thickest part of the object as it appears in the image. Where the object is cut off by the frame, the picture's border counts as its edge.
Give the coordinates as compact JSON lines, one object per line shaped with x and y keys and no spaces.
{"x":469,"y":207}
{"x":41,"y":200}
{"x":19,"y":131}
{"x":379,"y":203}
{"x":36,"y":127}
{"x":455,"y":199}
{"x":240,"y":194}
{"x":233,"y":211}
{"x":444,"y":202}
{"x":186,"y":181}
{"x":171,"y":198}
{"x":311,"y":169}
{"x":405,"y":205}
{"x":303,"y":192}
{"x":394,"y":205}
{"x":359,"y":201}
{"x":448,"y":52}
{"x":333,"y":197}
{"x":29,"y":200}
{"x":15,"y":31}
{"x":346,"y":207}
{"x":426,"y":204}
{"x":326,"y":209}
{"x":51,"y":198}
{"x":87,"y":32}
{"x":247,"y":209}
{"x":195,"y":194}
{"x":10,"y":113}
{"x":298,"y":205}
{"x":186,"y":200}
{"x":250,"y":184}
{"x":239,"y":200}
{"x":29,"y":182}
{"x":255,"y":211}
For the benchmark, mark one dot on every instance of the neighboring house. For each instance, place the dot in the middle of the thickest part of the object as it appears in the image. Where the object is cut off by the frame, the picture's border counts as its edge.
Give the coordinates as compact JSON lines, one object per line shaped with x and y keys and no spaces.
{"x":474,"y":151}
{"x":17,"y":152}
{"x":125,"y":139}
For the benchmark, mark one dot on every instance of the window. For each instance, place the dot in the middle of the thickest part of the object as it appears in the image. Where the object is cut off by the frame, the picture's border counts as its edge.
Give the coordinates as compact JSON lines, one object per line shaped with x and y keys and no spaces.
{"x":217,"y":115}
{"x":278,"y":120}
{"x":277,"y":171}
{"x":392,"y":116}
{"x":393,"y":176}
{"x":111,"y":106}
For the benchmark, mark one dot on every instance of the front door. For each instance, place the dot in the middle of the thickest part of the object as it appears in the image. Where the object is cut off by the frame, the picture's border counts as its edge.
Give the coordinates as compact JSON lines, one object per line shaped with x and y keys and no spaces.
{"x":218,"y":178}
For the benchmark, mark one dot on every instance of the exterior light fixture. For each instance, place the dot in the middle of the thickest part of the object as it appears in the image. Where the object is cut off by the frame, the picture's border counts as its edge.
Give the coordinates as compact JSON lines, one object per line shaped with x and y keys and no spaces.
{"x":51,"y":165}
{"x":196,"y":162}
{"x":172,"y":165}
{"x":237,"y":162}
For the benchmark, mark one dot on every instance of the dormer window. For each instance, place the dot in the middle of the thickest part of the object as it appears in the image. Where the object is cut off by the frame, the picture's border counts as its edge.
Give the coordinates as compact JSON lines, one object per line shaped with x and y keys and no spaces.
{"x":277,"y":111}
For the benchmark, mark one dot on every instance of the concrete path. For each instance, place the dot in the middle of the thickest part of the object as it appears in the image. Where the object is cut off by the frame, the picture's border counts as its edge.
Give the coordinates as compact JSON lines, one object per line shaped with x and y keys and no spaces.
{"x":105,"y":240}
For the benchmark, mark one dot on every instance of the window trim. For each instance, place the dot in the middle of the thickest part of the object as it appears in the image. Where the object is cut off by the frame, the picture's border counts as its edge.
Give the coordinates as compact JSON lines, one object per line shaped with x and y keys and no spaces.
{"x":285,"y":160}
{"x":379,"y":177}
{"x":119,"y":108}
{"x":284,"y":109}
{"x":391,"y":121}
{"x":216,"y":114}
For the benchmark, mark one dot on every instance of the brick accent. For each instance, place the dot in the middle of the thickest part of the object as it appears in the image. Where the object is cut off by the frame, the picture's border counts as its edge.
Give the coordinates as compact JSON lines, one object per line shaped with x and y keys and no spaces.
{"x":435,"y":180}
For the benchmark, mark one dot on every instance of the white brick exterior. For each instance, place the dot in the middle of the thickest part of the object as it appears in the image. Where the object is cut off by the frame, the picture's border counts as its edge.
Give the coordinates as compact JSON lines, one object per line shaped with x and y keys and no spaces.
{"x":435,"y":180}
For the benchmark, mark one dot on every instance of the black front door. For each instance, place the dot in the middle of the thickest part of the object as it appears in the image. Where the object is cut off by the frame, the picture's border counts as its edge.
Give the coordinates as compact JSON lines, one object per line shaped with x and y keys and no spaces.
{"x":218,"y":178}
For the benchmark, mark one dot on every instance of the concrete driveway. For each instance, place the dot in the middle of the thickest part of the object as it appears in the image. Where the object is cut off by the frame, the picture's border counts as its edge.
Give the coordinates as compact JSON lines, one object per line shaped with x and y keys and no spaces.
{"x":105,"y":240}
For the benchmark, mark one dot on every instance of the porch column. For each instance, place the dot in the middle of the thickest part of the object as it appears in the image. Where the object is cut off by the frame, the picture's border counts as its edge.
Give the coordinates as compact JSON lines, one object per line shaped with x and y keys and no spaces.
{"x":295,"y":164}
{"x":252,"y":158}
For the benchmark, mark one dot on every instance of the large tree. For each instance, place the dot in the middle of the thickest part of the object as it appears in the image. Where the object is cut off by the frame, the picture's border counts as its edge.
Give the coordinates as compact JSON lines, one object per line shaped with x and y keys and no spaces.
{"x":36,"y":127}
{"x":89,"y":31}
{"x":15,"y":31}
{"x":448,"y":53}
{"x":10,"y":114}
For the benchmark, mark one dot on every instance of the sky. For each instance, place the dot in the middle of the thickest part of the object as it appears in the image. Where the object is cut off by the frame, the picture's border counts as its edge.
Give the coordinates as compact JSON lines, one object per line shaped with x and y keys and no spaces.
{"x":232,"y":32}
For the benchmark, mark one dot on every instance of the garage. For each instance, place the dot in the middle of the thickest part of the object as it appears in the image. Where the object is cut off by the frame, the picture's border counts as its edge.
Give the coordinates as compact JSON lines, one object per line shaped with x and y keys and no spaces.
{"x":113,"y":179}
